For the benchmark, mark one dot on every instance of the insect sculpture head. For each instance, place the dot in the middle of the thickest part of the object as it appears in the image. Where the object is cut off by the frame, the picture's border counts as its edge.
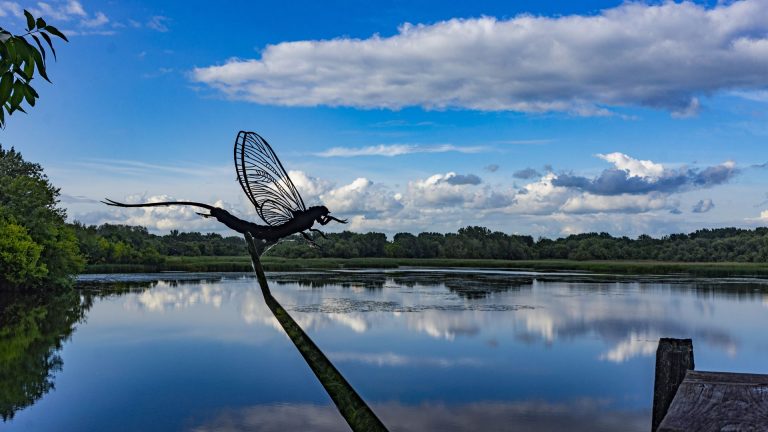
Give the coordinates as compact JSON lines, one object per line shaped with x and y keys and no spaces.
{"x":320,"y":212}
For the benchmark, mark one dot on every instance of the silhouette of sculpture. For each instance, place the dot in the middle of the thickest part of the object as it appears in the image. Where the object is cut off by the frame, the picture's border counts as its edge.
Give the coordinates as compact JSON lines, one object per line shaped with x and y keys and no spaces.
{"x":270,"y":189}
{"x":278,"y":203}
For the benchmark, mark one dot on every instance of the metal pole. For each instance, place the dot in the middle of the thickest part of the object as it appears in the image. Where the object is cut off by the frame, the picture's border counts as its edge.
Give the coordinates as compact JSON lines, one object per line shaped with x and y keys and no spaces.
{"x":352,"y":407}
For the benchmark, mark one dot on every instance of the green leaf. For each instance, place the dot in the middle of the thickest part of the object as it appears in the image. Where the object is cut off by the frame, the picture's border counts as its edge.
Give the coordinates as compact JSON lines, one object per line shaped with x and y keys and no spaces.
{"x":32,"y":91}
{"x":40,"y":46}
{"x":50,"y":44}
{"x":40,"y":65}
{"x":30,"y":60}
{"x":6,"y":84}
{"x":21,"y":51}
{"x":54,"y":31}
{"x":11,"y":50}
{"x":4,"y":54}
{"x":30,"y":20}
{"x":2,"y":117}
{"x":41,"y":23}
{"x":17,"y":96}
{"x":28,"y":95}
{"x":21,"y":73}
{"x":29,"y":69}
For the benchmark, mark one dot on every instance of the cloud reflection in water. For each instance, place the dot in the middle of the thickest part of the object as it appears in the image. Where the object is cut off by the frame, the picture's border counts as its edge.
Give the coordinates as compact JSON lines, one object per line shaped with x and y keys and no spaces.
{"x":628,"y":317}
{"x":582,"y":415}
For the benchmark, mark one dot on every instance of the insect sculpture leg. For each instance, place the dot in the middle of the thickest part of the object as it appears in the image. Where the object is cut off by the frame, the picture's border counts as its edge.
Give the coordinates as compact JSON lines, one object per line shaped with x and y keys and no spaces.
{"x":269,"y":245}
{"x":322,"y":234}
{"x":309,"y":240}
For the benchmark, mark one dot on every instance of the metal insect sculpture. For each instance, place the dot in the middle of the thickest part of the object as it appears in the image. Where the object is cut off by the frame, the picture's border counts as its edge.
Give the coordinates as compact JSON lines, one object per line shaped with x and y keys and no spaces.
{"x":269,"y":188}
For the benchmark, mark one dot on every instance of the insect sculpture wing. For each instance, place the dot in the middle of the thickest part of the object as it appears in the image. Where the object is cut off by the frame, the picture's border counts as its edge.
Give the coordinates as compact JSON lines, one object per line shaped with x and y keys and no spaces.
{"x":264,"y":180}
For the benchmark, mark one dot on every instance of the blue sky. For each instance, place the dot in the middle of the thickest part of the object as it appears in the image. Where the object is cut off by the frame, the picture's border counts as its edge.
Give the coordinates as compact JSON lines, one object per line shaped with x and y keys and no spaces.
{"x":542,"y":118}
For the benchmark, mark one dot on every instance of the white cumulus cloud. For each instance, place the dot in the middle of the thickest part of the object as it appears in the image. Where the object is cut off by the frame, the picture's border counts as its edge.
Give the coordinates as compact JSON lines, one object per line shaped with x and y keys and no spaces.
{"x":625,"y":203}
{"x":361,"y":196}
{"x":633,"y":196}
{"x":635,"y":167}
{"x":453,"y":190}
{"x":310,"y":188}
{"x":650,"y":55}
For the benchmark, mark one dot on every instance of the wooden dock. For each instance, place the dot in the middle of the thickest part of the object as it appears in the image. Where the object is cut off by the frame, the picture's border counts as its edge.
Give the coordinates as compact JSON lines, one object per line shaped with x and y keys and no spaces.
{"x":689,"y":400}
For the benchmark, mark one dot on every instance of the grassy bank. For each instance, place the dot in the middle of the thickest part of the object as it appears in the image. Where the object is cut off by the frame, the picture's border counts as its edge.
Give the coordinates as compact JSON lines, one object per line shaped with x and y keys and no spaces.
{"x":242,"y":263}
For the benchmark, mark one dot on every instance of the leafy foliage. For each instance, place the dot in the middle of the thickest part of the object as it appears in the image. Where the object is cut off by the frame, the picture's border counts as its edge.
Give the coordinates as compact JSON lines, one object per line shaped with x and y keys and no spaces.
{"x":469,"y":242}
{"x":19,"y":255}
{"x":35,"y":227}
{"x":19,"y":60}
{"x":706,"y":245}
{"x":122,"y":244}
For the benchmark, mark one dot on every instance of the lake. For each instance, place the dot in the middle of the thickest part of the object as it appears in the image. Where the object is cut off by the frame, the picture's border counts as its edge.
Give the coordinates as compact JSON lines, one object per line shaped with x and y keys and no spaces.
{"x":427,"y":349}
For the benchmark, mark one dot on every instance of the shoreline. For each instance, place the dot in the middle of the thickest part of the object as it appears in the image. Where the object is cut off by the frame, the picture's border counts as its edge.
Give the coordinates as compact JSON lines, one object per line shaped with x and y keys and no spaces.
{"x":243,"y":263}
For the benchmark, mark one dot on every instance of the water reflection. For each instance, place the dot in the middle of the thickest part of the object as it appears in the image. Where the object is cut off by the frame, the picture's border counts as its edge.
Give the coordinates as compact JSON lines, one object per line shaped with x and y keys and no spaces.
{"x":32,"y":331}
{"x":451,"y":350}
{"x":628,"y":316}
{"x":469,"y":286}
{"x":582,"y":415}
{"x":393,"y":359}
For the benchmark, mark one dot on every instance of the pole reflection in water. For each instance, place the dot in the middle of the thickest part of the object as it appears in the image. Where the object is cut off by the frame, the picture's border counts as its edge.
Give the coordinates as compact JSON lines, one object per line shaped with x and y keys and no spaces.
{"x":352,"y":407}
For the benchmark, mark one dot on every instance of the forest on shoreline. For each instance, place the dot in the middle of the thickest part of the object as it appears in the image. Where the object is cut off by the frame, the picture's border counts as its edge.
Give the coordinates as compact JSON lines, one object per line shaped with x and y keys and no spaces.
{"x":121,"y":244}
{"x":39,"y":250}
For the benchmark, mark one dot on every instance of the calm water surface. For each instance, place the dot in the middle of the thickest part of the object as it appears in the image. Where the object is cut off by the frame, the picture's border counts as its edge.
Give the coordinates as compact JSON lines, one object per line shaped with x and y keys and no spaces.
{"x":429,"y":350}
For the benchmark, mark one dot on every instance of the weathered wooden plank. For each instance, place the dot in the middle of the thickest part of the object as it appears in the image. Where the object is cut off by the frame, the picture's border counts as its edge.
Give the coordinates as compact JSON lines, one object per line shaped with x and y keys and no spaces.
{"x":674,"y":357}
{"x":719,"y":401}
{"x":726,"y":378}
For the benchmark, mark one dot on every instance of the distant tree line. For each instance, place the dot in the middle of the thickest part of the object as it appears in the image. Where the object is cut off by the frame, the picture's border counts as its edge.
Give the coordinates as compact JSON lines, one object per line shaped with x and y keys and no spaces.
{"x":124,"y":244}
{"x":135,"y":245}
{"x":469,"y":242}
{"x":705,"y":245}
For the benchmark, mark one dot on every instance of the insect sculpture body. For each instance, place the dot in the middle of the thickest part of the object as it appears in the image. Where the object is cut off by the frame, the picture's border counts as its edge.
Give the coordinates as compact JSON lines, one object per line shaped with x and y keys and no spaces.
{"x":269,"y":188}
